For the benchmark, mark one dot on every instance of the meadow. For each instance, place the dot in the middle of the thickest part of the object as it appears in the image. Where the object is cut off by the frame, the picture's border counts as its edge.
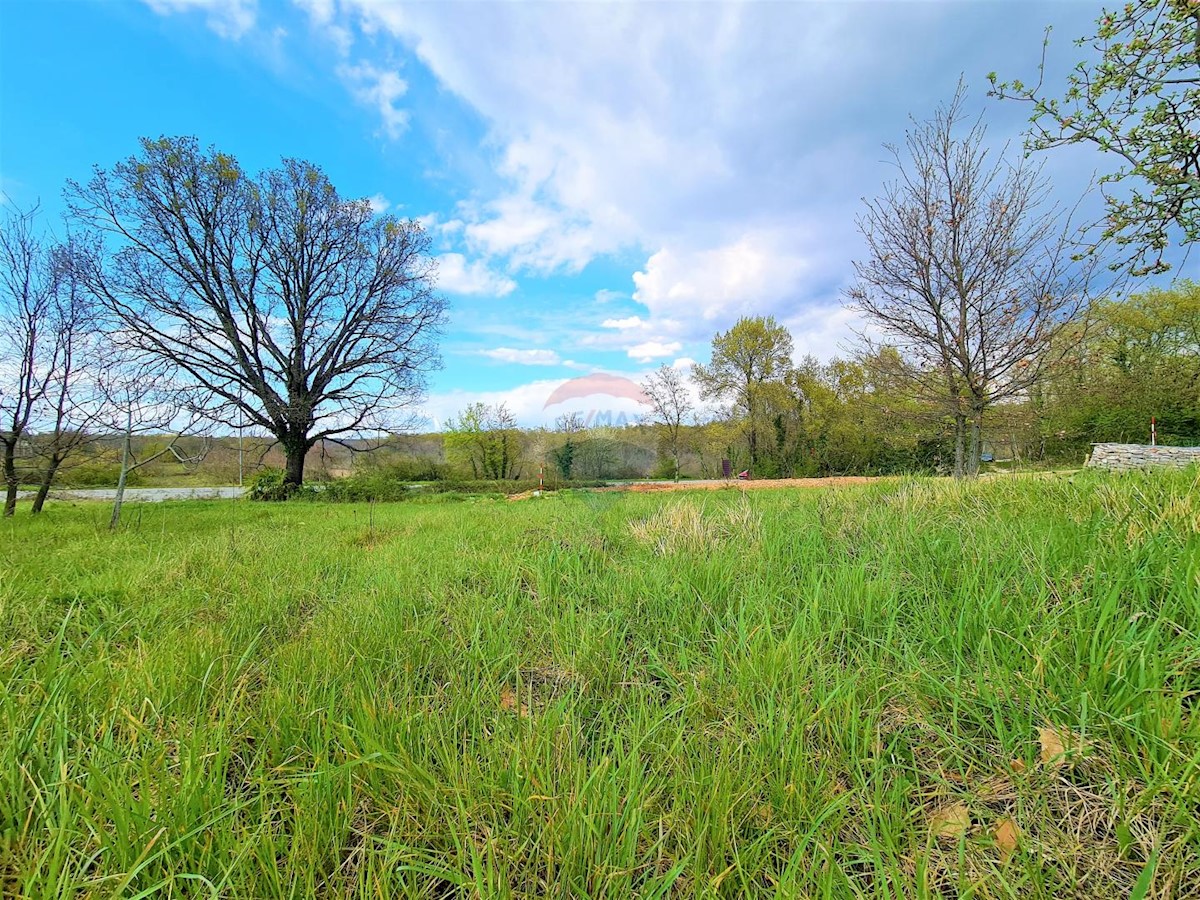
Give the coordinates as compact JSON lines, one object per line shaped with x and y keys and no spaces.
{"x":912,"y":688}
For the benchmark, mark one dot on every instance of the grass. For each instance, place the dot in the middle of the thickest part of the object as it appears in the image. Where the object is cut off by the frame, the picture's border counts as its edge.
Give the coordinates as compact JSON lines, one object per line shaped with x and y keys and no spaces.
{"x":906,"y":689}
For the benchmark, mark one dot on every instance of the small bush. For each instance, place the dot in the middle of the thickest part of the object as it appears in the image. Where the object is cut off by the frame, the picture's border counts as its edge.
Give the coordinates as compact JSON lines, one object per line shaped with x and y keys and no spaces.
{"x":268,"y":486}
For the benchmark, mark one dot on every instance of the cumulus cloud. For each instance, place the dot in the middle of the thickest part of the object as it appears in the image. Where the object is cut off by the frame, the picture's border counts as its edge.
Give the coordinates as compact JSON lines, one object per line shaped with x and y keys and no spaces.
{"x":760,"y":272}
{"x":457,"y":276}
{"x":728,"y":142}
{"x":723,"y":146}
{"x":535,"y":404}
{"x":523,"y":357}
{"x":379,"y":203}
{"x":649,"y":350}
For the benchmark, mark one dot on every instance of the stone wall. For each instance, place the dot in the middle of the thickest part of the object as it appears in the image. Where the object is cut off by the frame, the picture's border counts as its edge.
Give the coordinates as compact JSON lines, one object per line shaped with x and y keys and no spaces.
{"x":1137,"y":456}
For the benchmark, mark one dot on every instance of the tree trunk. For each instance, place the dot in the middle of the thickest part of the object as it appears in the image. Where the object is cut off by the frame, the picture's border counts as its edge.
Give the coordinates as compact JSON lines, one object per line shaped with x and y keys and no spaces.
{"x":43,"y":490}
{"x":295,"y":452}
{"x":975,"y":445}
{"x":960,"y":438}
{"x":126,"y":450}
{"x":973,"y":450}
{"x":10,"y":478}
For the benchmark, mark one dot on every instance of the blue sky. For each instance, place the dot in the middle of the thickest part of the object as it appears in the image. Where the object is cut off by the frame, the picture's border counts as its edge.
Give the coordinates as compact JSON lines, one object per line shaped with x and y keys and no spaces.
{"x":606,"y":185}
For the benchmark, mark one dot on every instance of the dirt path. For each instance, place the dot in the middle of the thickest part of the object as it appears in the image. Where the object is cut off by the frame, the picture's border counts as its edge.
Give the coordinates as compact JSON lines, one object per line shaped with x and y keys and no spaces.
{"x":731,"y":484}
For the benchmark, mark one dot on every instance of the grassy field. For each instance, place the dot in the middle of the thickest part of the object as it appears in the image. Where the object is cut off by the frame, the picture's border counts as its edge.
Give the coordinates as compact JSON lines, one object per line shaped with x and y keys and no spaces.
{"x":904,"y":689}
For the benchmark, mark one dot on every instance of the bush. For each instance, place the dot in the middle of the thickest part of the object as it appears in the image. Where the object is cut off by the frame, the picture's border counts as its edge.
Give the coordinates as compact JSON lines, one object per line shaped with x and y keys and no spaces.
{"x":381,"y":486}
{"x":95,"y":474}
{"x":373,"y":485}
{"x":268,"y":486}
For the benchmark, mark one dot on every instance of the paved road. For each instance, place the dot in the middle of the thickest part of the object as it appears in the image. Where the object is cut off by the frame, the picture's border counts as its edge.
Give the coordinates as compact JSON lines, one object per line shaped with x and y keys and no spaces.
{"x":145,"y":495}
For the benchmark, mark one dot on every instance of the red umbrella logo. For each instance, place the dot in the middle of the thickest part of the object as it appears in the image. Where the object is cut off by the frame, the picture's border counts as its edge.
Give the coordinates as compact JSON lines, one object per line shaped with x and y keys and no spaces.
{"x":597,"y":383}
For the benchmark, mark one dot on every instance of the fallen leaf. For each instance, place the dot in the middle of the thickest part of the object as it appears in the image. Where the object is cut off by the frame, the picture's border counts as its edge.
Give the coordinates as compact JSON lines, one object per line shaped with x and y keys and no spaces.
{"x":950,"y":822}
{"x":509,"y":703}
{"x":1052,"y":746}
{"x":1007,"y":836}
{"x":1018,"y":766}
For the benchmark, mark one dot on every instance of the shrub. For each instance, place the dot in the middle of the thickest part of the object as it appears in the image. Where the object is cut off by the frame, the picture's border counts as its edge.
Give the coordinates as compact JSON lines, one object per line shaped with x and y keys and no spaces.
{"x":268,"y":486}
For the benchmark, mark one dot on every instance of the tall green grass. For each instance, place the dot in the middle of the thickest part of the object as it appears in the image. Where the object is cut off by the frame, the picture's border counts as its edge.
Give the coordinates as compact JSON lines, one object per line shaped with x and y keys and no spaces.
{"x":719,"y":694}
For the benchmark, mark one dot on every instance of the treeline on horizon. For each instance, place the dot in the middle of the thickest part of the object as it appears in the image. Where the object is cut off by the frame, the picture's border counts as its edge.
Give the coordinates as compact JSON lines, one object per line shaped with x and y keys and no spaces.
{"x":1140,"y":358}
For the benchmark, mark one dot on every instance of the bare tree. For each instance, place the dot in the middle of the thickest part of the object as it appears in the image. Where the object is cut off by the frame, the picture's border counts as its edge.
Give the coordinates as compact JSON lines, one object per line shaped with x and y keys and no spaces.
{"x":307,"y":313}
{"x":971,"y":272}
{"x":28,"y":349}
{"x":671,"y":403}
{"x":141,"y":399}
{"x":71,"y":405}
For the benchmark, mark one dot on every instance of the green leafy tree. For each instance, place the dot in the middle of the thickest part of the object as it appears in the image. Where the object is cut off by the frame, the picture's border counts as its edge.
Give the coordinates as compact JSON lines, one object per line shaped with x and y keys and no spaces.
{"x":1141,"y":359}
{"x":1138,"y":99}
{"x":570,"y":425}
{"x":486,"y":441}
{"x":746,"y":360}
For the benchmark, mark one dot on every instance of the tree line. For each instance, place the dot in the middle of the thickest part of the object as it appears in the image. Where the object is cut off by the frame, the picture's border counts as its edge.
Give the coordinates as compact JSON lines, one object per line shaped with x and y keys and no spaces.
{"x":865,"y":414}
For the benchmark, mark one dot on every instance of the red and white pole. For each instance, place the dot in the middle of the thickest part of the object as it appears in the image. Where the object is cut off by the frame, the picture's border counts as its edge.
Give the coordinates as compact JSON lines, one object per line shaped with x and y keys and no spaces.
{"x":1153,"y":432}
{"x":541,"y":469}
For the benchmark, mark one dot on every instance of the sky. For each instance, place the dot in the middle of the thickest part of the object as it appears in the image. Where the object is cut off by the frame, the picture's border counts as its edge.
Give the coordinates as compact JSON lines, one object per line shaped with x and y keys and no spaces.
{"x":606,"y":185}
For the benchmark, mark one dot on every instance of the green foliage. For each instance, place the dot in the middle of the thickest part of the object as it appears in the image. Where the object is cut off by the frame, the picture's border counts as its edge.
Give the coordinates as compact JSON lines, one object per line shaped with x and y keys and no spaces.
{"x":485,"y":442}
{"x":748,"y":363}
{"x":95,"y":473}
{"x":564,"y":457}
{"x":1141,"y":359}
{"x":1139,"y":101}
{"x":726,"y":695}
{"x":269,"y":486}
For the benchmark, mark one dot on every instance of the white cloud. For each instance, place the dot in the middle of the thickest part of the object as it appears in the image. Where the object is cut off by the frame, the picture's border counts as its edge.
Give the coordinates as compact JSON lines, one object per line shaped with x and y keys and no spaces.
{"x":649,"y":350}
{"x":523,"y":357}
{"x":684,"y":364}
{"x":825,"y":331}
{"x":726,"y":144}
{"x":228,"y":18}
{"x":380,"y":89}
{"x":700,"y":135}
{"x":623,"y":324}
{"x":457,"y":276}
{"x":379,"y":203}
{"x":763,"y":272}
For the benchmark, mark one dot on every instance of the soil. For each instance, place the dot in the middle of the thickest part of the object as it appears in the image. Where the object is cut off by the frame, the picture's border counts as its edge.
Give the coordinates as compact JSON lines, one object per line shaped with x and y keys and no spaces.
{"x":763,"y":484}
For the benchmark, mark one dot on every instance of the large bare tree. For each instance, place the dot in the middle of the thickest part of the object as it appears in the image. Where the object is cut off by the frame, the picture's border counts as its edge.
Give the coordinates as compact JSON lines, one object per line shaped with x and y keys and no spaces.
{"x":971,"y":272}
{"x":303,"y":312}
